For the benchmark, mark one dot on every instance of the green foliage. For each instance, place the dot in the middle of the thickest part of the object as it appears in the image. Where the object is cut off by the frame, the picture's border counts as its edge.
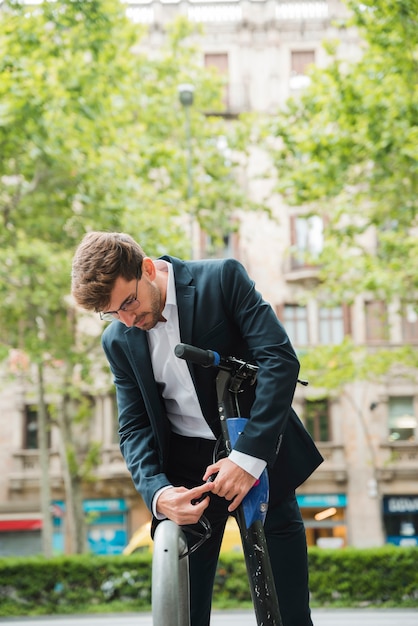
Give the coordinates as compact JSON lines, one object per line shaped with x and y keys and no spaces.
{"x":33,"y":286}
{"x":348,"y":151}
{"x":92,"y":133}
{"x":385,"y":576}
{"x":93,"y":137}
{"x":64,"y":87}
{"x":231,"y":581}
{"x":330,"y":367}
{"x":72,"y":584}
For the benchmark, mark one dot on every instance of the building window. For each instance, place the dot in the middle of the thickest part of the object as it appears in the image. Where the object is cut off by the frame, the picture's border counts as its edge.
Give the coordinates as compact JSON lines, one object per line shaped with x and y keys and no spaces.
{"x":307,"y":240}
{"x":300,"y":60}
{"x":402,"y":419}
{"x":334,"y":324}
{"x":410,"y":325}
{"x":295,"y":321}
{"x":226,"y":246}
{"x":219,"y":61}
{"x":30,"y":428}
{"x":316,"y":417}
{"x":30,"y":435}
{"x":377,"y":328}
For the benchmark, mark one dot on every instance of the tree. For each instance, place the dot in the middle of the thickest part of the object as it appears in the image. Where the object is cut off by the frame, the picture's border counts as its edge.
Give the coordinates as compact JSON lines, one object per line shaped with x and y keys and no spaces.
{"x":92,"y":137}
{"x":348,"y":150}
{"x":92,"y":126}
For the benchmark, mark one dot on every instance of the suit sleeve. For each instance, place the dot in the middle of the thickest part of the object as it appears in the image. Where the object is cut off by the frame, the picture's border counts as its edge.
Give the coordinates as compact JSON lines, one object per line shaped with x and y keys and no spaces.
{"x":271,"y":350}
{"x":141,"y":451}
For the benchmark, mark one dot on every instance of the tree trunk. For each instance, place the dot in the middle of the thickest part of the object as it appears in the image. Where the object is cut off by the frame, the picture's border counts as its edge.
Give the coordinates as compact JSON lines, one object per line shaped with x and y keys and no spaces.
{"x":44,"y":466}
{"x":75,"y":527}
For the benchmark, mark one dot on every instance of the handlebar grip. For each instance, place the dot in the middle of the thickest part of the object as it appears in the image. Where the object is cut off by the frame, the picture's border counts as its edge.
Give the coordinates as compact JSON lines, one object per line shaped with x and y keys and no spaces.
{"x":207,"y":358}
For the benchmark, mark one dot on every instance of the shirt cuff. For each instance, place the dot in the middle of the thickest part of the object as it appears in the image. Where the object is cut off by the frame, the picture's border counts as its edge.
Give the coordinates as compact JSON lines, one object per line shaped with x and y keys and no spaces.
{"x":154,"y":502}
{"x":250,"y":464}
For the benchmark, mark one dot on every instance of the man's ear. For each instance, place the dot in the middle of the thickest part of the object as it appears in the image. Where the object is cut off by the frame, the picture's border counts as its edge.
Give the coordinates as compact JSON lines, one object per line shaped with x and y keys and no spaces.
{"x":148,"y":267}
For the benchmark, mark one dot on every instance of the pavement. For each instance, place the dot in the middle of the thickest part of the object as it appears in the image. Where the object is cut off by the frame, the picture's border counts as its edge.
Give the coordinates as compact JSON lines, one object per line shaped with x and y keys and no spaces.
{"x":321,"y":617}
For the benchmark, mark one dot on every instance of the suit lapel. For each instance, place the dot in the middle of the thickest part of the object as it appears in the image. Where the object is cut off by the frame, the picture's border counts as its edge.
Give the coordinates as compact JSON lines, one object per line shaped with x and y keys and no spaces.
{"x":185,"y":293}
{"x":142,"y":366}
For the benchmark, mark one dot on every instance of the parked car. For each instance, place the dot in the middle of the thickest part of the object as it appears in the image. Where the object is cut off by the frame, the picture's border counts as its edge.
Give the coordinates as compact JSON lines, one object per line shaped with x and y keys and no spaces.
{"x":141,"y":539}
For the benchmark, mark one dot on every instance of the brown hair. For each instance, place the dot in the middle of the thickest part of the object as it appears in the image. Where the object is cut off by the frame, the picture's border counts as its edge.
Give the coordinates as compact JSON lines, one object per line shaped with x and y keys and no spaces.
{"x":99,"y":260}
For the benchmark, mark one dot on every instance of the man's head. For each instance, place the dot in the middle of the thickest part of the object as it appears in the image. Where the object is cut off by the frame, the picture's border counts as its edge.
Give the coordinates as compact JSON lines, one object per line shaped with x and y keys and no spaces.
{"x":100,"y":259}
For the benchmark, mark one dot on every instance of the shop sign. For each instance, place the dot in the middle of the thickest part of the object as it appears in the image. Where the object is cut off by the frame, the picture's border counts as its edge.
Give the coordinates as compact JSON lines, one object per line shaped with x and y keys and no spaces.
{"x":322,"y":501}
{"x":400,"y":504}
{"x":404,"y":542}
{"x":98,"y":505}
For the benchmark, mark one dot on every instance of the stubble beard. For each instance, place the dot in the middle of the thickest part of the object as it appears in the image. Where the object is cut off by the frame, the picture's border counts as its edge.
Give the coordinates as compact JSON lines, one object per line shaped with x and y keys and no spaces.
{"x":154,"y":315}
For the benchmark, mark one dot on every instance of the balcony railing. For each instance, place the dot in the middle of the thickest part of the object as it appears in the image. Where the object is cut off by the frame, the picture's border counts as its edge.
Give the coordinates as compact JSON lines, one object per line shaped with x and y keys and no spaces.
{"x":334,"y":467}
{"x":399,"y":460}
{"x":228,"y":11}
{"x":26,"y":469}
{"x":297,"y":272}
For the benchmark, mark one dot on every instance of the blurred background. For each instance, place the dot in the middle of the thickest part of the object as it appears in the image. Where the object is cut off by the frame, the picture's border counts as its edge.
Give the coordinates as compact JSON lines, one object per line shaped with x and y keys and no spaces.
{"x":284,"y":134}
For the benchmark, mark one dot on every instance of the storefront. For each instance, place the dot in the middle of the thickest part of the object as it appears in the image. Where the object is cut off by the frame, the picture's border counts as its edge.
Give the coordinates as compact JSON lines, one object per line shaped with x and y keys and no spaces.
{"x":324,"y":517}
{"x":20,"y":534}
{"x":400,"y":517}
{"x":107,"y":525}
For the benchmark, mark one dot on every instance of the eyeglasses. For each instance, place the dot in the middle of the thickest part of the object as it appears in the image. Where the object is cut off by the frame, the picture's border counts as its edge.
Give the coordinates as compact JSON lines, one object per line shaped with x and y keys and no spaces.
{"x":129,"y":305}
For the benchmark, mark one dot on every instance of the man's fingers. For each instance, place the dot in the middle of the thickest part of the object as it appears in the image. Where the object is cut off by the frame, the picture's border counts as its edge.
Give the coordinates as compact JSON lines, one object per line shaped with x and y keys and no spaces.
{"x":200,"y":499}
{"x":201,"y":493}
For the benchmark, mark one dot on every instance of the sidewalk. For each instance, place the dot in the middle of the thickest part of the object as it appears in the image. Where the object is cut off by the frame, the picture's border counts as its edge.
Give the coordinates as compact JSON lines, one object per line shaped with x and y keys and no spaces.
{"x":321,"y":617}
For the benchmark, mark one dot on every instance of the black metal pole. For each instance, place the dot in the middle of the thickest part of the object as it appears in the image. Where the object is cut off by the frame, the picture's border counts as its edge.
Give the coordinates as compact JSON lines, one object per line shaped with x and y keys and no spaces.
{"x":257,"y":559}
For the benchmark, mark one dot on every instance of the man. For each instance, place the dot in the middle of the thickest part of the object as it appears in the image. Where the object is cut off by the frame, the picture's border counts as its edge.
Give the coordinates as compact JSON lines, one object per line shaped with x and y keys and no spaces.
{"x":168,"y":413}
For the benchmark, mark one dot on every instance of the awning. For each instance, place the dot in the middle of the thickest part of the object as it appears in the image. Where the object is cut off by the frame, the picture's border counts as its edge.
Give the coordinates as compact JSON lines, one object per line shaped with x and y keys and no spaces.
{"x":7,"y":525}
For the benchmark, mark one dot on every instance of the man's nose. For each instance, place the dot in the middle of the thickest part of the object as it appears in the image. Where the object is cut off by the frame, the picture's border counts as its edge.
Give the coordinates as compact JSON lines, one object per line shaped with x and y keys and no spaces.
{"x":127,"y":317}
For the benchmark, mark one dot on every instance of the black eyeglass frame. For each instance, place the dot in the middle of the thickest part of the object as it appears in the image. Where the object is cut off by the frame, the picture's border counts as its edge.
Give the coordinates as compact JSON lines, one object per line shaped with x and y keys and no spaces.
{"x":128,"y":305}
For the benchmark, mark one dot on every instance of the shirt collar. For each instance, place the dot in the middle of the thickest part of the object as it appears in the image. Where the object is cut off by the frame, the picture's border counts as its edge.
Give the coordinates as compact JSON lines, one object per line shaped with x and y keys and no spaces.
{"x":171,"y":297}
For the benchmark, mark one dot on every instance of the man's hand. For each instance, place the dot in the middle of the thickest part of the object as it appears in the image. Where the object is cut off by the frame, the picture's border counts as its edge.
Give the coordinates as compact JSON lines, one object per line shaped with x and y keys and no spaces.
{"x":232,"y":482}
{"x":176,"y":503}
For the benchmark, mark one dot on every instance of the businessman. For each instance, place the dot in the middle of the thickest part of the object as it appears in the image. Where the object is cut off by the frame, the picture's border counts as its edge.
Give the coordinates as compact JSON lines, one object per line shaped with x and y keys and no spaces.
{"x":168,"y":413}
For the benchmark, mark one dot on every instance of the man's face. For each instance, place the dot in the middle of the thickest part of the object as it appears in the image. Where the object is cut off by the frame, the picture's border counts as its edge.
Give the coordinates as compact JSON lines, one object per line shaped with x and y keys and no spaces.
{"x":142,"y":298}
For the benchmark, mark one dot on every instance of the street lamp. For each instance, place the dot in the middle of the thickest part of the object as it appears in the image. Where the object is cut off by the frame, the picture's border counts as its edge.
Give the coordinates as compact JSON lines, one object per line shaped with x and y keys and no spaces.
{"x":186,"y":94}
{"x":186,"y":97}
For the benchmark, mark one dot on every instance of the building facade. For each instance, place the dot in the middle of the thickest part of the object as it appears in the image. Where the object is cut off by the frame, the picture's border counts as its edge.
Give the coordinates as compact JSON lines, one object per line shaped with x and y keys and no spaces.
{"x":366,"y":492}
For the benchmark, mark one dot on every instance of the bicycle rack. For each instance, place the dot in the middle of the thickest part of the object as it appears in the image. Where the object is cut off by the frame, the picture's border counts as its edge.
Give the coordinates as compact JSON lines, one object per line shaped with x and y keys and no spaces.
{"x":170,"y":577}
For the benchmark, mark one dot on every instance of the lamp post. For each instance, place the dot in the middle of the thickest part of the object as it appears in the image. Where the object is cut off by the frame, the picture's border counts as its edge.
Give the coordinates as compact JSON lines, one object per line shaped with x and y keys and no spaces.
{"x":186,"y":97}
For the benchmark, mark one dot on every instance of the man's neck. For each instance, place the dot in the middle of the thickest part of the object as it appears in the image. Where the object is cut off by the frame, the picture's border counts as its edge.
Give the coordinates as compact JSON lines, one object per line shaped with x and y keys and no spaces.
{"x":161,"y":279}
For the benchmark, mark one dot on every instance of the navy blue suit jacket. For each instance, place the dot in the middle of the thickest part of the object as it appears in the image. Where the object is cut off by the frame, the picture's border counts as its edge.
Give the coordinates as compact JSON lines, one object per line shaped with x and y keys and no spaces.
{"x":219,"y":309}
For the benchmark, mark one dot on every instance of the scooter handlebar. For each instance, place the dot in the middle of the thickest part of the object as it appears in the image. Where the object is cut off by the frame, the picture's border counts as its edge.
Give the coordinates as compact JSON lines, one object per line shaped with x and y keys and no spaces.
{"x":206,"y":358}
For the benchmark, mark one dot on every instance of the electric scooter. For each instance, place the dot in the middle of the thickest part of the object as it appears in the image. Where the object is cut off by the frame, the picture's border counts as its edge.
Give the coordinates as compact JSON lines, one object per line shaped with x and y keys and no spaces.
{"x":251,"y":513}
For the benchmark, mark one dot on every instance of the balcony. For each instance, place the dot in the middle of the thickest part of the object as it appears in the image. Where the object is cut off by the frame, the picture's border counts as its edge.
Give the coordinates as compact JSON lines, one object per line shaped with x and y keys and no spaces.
{"x":296,"y":270}
{"x":112,"y":463}
{"x":334,"y":467}
{"x":399,"y":460}
{"x":26,"y":470}
{"x":230,"y":11}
